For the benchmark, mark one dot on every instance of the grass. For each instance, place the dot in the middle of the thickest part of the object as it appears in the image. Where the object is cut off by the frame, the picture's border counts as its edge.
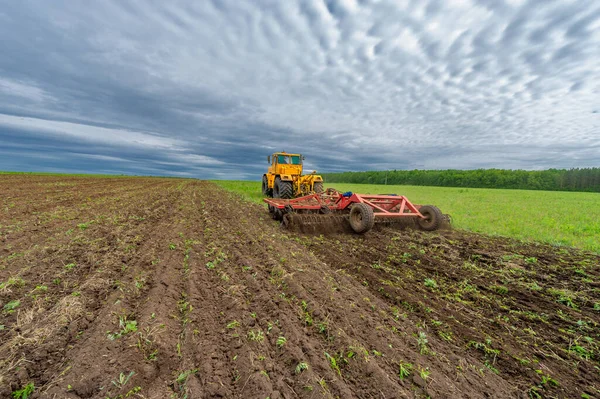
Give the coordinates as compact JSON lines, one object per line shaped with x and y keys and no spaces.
{"x":554,"y":217}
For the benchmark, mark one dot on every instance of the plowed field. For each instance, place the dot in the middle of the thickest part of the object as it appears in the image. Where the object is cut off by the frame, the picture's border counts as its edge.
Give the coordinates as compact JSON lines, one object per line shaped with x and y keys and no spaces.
{"x":168,"y":288}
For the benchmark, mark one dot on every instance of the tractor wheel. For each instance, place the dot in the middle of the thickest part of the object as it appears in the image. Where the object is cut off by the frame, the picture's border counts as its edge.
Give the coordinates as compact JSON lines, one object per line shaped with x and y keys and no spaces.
{"x":265,"y":187}
{"x":283,"y":189}
{"x":276,"y":188}
{"x":318,"y":186}
{"x":361,"y":218}
{"x":433,"y":218}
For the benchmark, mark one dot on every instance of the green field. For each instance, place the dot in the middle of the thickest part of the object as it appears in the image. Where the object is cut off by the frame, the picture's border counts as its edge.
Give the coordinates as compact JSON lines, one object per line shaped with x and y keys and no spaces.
{"x":558,"y":218}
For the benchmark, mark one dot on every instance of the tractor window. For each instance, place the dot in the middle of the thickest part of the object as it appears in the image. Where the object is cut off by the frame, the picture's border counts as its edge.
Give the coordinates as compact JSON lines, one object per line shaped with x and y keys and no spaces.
{"x":282,"y":159}
{"x":296,"y":160}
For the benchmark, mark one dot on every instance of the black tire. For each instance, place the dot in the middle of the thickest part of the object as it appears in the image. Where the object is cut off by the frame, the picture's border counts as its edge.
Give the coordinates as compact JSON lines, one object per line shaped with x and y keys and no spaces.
{"x":318,"y":187}
{"x":283,"y":189}
{"x":361,"y":218}
{"x":433,"y":218}
{"x":276,"y":187}
{"x":265,"y":187}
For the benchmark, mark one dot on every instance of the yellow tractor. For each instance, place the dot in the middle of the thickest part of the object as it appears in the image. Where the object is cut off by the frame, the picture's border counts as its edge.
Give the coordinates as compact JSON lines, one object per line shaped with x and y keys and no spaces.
{"x":284,"y":177}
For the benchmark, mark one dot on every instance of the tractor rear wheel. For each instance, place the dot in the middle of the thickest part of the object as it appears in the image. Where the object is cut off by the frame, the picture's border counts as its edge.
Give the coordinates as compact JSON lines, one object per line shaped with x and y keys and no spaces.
{"x":283,"y":189}
{"x":361,"y":218}
{"x":265,"y":187}
{"x":433,"y":218}
{"x":318,"y":187}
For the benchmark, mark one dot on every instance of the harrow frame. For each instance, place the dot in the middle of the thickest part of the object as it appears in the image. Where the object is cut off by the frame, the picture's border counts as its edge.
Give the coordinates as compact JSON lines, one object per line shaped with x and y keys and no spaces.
{"x":383,"y":206}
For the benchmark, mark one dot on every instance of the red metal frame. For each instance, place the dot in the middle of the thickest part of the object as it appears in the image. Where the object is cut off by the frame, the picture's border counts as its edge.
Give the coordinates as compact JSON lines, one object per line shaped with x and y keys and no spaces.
{"x":384,"y":206}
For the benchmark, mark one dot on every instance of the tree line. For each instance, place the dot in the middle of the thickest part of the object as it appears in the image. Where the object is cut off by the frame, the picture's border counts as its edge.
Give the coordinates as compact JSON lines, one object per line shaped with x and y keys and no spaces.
{"x":584,"y":179}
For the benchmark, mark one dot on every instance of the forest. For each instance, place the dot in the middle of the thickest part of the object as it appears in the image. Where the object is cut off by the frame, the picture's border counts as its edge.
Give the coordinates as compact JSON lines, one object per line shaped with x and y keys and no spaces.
{"x":577,"y":179}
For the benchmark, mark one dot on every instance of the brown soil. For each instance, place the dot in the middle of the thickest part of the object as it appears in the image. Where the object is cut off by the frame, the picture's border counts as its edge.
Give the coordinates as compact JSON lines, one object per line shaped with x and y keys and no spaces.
{"x":158,"y":288}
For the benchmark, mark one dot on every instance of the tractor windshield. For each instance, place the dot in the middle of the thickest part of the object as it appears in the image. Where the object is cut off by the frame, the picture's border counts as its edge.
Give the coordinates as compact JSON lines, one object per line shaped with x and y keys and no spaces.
{"x":289,"y":159}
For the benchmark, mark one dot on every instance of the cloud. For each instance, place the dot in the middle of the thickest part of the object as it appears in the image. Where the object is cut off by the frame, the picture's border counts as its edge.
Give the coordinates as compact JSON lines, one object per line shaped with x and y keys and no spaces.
{"x":208,"y":89}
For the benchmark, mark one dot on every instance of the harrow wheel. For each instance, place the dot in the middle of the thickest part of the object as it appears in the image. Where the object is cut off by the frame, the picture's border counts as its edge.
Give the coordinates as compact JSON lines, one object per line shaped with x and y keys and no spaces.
{"x":433,"y":218}
{"x":283,"y":189}
{"x":361,"y":218}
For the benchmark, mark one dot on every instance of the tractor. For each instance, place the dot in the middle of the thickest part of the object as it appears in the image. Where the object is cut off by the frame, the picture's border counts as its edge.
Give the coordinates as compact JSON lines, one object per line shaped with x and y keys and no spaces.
{"x":284,"y":177}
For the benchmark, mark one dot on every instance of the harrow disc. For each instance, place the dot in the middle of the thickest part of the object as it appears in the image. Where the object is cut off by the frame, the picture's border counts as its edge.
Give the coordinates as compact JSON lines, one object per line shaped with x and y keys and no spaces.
{"x":315,"y":223}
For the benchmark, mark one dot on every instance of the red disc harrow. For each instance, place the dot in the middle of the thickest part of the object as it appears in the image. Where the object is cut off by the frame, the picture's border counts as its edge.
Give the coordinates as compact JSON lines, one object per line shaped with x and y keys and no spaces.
{"x":361,"y":210}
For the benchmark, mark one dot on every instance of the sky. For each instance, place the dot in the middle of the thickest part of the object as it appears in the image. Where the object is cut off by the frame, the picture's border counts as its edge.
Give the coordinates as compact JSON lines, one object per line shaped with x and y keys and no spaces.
{"x":208,"y":89}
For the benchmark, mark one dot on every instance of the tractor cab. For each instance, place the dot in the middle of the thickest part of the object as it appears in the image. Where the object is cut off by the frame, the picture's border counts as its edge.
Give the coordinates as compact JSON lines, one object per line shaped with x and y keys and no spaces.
{"x":284,"y":158}
{"x":282,"y":163}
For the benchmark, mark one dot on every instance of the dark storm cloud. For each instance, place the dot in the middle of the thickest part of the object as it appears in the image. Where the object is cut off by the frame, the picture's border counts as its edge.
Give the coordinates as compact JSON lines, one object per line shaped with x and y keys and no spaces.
{"x":208,"y":89}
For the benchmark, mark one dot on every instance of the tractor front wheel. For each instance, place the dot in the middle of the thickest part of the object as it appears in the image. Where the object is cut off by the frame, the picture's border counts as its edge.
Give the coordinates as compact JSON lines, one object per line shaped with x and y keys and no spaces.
{"x":361,"y":218}
{"x":283,"y":189}
{"x":265,"y":187}
{"x":433,"y":218}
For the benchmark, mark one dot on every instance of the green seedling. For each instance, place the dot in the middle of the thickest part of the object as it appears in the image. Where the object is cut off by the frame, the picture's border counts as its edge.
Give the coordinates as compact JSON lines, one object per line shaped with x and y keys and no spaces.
{"x":535,"y":286}
{"x":281,"y":342}
{"x":257,"y":335}
{"x":146,"y":343}
{"x":70,"y":266}
{"x":424,"y":373}
{"x":301,"y":367}
{"x":24,"y":392}
{"x":500,"y":289}
{"x":123,"y":379}
{"x":182,"y":378}
{"x":233,"y":324}
{"x":322,"y":326}
{"x":16,"y":282}
{"x":422,"y":343}
{"x":404,"y":370}
{"x":40,"y":288}
{"x":333,"y":363}
{"x":446,"y":336}
{"x":11,"y":306}
{"x":430,"y":283}
{"x":126,"y":327}
{"x":308,"y":320}
{"x":563,"y":296}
